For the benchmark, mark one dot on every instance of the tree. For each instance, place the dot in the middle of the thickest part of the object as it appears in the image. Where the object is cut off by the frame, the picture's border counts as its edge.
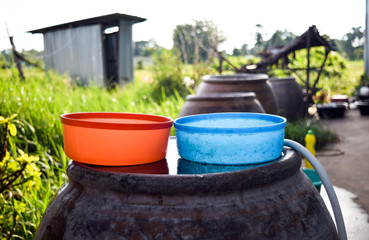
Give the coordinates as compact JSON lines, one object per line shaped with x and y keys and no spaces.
{"x":237,"y":52}
{"x":6,"y":59}
{"x":244,"y":49}
{"x":279,"y":39}
{"x":146,"y":48}
{"x":139,"y":47}
{"x":351,"y":46}
{"x":259,"y":40}
{"x":198,"y":42}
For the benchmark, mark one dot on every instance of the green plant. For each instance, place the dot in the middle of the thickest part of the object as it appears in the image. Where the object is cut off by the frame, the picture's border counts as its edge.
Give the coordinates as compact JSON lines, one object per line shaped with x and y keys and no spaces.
{"x":167,"y":76}
{"x":333,"y":78}
{"x":18,"y":171}
{"x":298,"y":129}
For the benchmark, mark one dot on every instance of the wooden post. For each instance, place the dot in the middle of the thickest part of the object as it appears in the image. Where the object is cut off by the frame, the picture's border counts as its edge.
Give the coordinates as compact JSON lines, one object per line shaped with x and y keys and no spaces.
{"x":220,"y":69}
{"x":307,"y":83}
{"x":17,"y":61}
{"x":327,"y":51}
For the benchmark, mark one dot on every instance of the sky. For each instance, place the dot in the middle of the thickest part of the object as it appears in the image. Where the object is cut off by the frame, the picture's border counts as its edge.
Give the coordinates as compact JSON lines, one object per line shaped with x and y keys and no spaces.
{"x":236,"y":19}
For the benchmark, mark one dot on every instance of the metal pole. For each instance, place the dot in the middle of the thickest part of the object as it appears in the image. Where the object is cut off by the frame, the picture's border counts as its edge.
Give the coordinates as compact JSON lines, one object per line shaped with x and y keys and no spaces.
{"x":366,"y":45}
{"x":307,"y":83}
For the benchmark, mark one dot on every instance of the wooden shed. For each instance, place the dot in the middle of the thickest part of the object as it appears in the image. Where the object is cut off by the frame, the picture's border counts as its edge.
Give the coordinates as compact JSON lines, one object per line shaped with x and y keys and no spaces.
{"x":89,"y":52}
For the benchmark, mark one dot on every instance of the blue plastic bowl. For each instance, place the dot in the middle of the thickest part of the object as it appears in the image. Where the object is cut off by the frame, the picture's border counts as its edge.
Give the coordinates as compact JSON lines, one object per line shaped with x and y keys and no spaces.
{"x":230,"y":138}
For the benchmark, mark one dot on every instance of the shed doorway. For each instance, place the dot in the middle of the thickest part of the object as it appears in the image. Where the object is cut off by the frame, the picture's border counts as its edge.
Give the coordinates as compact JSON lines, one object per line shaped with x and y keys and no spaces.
{"x":111,"y":59}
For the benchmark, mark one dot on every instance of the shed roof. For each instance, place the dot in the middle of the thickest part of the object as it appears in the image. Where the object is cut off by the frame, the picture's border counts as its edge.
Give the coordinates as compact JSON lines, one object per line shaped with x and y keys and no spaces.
{"x":107,"y":20}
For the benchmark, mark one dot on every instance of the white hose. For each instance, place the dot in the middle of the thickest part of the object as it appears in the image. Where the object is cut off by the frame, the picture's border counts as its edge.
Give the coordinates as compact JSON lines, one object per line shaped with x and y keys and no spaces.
{"x":327,"y":185}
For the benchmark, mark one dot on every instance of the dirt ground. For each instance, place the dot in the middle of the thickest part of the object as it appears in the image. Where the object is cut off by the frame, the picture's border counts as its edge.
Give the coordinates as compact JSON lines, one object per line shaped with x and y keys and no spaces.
{"x":347,"y":162}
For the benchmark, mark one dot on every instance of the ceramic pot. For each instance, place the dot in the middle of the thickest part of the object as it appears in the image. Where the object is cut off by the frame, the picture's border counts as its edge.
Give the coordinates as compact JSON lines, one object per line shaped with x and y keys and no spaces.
{"x":289,"y":98}
{"x":257,"y":83}
{"x":273,"y":201}
{"x":221,"y":102}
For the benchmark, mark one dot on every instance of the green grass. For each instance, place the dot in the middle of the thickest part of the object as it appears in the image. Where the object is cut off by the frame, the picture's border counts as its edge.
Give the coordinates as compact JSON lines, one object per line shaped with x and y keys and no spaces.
{"x":298,"y":129}
{"x":41,"y":99}
{"x":355,"y":69}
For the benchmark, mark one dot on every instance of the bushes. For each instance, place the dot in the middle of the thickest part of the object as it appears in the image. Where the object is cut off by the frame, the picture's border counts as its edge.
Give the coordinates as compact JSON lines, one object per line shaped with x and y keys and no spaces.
{"x":167,"y":76}
{"x":298,"y":129}
{"x":18,"y":175}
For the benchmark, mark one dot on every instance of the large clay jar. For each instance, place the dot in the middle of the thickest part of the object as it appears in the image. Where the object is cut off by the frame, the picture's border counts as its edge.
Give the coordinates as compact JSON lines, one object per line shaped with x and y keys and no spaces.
{"x":289,"y":97}
{"x":221,"y":102}
{"x":247,"y":82}
{"x":274,"y":201}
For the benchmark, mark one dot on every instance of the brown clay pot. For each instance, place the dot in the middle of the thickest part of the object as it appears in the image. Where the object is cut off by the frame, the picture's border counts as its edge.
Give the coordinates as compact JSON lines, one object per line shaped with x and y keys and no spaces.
{"x":274,"y":201}
{"x":247,"y":82}
{"x":289,"y":97}
{"x":221,"y":102}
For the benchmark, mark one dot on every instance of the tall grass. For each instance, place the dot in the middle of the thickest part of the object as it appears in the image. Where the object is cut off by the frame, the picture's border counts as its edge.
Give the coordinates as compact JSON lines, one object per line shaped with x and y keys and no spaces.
{"x":41,"y":99}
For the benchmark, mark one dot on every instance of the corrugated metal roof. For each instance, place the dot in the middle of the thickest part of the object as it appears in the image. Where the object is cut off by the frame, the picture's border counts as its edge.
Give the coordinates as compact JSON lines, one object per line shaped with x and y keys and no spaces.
{"x":107,"y":20}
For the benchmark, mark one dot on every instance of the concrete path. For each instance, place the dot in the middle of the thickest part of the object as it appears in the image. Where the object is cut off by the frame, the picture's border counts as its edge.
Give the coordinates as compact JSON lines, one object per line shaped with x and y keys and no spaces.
{"x":348,"y":164}
{"x":355,"y":218}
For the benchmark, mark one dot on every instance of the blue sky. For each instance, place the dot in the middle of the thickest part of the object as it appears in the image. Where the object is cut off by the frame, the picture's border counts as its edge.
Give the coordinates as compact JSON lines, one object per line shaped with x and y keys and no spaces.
{"x":236,"y":19}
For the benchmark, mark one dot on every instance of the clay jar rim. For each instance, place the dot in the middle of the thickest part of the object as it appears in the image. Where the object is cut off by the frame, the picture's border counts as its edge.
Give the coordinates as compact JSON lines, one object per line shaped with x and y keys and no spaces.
{"x":330,"y":106}
{"x":221,"y":96}
{"x":282,"y":79}
{"x":232,"y":78}
{"x":186,"y":184}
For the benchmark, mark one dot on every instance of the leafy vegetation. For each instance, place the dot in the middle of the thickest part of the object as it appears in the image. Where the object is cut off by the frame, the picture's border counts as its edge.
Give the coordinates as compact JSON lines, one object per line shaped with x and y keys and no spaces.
{"x":352,"y":44}
{"x":18,"y":175}
{"x":196,"y":43}
{"x":298,"y":129}
{"x":334,"y":76}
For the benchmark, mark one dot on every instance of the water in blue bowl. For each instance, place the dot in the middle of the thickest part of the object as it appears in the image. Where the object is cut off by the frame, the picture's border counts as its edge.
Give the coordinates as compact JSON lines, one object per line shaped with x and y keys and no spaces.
{"x":230,"y":138}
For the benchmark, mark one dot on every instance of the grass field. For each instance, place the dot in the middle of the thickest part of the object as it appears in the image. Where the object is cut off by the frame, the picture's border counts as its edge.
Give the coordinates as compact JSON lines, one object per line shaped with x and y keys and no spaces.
{"x":355,"y":70}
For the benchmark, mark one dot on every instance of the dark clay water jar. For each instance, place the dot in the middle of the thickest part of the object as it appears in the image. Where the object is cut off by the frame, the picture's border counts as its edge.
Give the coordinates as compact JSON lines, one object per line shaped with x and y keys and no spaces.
{"x":275,"y":200}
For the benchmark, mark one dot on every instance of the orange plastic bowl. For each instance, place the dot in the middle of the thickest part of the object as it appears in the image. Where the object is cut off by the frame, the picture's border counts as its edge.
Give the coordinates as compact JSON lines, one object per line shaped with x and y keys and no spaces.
{"x":115,"y":139}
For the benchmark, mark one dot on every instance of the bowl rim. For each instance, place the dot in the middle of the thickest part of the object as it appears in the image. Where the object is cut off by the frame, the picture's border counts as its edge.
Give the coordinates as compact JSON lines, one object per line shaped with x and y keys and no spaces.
{"x":277,"y":123}
{"x":221,"y":96}
{"x":78,"y":119}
